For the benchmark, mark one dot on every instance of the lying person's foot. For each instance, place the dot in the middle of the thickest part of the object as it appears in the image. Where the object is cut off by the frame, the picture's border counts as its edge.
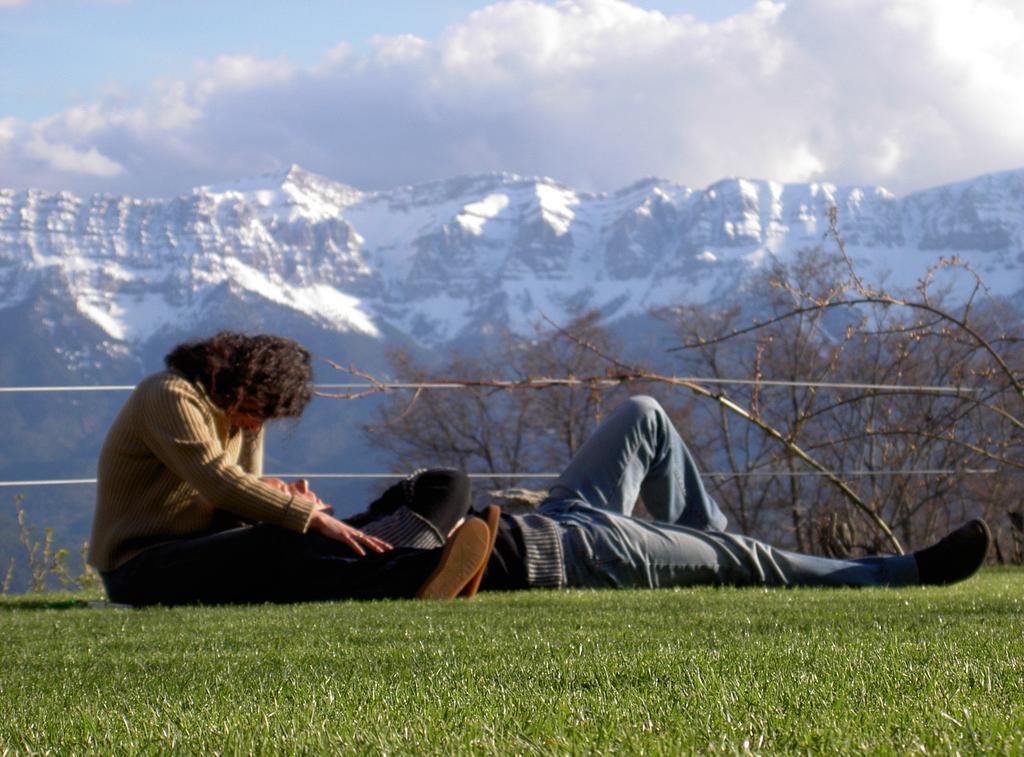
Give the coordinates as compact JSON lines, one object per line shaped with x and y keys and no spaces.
{"x":956,"y":556}
{"x":464,"y":555}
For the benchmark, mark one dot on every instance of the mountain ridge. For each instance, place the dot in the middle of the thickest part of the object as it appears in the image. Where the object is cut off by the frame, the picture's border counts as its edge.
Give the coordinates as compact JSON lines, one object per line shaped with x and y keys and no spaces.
{"x":473,"y":253}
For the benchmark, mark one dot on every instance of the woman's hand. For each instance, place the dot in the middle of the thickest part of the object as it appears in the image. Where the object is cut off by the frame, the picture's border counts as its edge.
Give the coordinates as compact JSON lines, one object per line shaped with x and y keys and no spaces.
{"x":299,"y":488}
{"x":335,"y":529}
{"x":322,"y":522}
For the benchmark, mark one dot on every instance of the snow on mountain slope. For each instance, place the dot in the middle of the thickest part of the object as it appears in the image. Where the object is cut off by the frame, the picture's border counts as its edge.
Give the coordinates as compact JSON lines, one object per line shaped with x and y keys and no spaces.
{"x":289,"y":196}
{"x":440,"y":260}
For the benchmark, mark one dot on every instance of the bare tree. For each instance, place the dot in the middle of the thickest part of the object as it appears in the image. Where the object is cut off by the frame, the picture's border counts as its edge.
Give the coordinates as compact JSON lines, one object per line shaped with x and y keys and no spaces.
{"x":485,"y":429}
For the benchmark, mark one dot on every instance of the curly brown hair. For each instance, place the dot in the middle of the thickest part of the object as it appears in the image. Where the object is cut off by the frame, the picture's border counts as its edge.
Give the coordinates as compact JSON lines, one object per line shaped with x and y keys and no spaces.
{"x":270,"y":375}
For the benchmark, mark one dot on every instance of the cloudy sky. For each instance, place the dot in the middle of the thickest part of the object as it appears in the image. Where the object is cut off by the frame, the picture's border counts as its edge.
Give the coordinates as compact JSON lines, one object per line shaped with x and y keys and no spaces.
{"x":152,"y":97}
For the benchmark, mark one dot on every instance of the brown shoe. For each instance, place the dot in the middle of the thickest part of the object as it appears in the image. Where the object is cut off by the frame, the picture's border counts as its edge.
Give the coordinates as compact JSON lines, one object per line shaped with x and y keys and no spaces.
{"x":492,"y":515}
{"x":464,"y":555}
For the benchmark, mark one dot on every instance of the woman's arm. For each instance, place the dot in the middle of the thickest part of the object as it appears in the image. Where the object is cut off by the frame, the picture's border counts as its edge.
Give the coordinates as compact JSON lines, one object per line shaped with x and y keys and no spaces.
{"x":178,"y":429}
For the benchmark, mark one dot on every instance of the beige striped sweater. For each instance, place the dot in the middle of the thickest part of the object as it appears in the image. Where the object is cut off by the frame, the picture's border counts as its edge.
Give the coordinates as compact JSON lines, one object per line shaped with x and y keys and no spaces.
{"x":168,"y":464}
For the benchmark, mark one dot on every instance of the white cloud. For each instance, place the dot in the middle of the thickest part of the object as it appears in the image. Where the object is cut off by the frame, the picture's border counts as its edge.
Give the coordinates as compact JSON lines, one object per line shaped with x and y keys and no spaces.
{"x":8,"y":128}
{"x":906,"y":93}
{"x":240,"y":73}
{"x":68,"y":159}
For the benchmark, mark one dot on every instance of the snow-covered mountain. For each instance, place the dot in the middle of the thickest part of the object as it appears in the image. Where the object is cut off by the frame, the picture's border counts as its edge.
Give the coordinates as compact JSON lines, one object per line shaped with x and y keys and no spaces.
{"x":459,"y":258}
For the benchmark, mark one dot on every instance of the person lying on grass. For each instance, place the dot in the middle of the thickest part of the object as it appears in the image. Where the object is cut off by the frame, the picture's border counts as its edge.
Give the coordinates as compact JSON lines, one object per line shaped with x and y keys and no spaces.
{"x":583,"y":535}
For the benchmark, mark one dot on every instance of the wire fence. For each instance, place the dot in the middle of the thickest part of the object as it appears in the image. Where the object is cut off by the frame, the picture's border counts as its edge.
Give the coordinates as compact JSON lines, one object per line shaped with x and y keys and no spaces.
{"x":362,"y":386}
{"x":513,"y":384}
{"x":523,"y":475}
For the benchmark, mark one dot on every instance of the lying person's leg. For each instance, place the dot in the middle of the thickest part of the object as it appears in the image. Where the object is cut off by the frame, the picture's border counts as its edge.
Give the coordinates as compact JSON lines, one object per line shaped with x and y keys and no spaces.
{"x":603,"y":549}
{"x":635,"y":452}
{"x":419,"y":511}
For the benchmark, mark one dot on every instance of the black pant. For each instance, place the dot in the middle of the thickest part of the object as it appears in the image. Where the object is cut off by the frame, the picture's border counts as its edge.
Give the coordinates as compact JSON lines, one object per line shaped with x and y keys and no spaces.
{"x":265,"y":563}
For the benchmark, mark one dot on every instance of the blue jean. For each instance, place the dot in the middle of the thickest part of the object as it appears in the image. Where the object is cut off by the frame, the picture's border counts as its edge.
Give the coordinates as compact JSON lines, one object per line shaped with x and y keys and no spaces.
{"x":637,"y":451}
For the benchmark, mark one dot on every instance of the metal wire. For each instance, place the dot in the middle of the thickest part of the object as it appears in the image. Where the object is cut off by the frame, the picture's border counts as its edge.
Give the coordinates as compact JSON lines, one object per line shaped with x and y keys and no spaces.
{"x":567,"y":382}
{"x":858,"y":473}
{"x":39,"y":389}
{"x":543,"y":381}
{"x":51,"y":482}
{"x":710,"y":474}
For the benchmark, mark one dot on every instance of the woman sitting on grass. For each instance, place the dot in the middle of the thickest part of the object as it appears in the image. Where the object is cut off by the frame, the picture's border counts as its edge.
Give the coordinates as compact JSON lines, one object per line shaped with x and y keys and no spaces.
{"x":183,"y":514}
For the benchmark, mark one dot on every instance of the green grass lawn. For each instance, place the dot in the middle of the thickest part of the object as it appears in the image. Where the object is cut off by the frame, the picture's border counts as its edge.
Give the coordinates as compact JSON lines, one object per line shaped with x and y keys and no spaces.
{"x":936,"y":670}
